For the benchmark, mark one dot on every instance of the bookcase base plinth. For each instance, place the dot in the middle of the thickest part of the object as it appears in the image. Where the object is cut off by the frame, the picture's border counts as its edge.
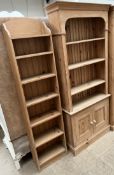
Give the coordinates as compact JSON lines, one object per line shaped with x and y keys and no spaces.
{"x":112,"y":127}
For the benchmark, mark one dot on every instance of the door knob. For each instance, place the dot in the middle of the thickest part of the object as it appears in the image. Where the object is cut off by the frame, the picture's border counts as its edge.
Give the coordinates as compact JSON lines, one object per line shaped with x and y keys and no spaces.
{"x":91,"y":123}
{"x":94,"y":121}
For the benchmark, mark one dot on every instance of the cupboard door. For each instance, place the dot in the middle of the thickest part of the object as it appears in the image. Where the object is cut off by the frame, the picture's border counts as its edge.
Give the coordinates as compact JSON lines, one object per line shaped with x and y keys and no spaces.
{"x":82,"y":127}
{"x":101,"y":115}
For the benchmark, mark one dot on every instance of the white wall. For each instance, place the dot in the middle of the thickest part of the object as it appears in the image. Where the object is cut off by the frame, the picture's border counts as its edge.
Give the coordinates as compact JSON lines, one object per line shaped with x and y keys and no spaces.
{"x":26,"y":7}
{"x":34,"y":8}
{"x":91,"y":1}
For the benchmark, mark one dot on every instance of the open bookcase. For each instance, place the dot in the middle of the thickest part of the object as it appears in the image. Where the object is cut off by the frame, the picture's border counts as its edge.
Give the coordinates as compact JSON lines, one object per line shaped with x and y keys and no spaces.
{"x":111,"y":65}
{"x":30,"y":49}
{"x":85,"y":44}
{"x":82,"y":66}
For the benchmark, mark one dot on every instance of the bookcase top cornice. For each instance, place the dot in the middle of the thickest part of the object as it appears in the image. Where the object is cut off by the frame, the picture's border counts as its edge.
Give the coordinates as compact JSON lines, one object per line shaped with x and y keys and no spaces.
{"x":26,"y":27}
{"x":112,"y":7}
{"x":71,"y":5}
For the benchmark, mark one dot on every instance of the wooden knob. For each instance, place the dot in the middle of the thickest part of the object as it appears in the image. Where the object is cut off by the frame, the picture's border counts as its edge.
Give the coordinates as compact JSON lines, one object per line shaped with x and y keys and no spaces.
{"x":91,"y":123}
{"x":94,"y":121}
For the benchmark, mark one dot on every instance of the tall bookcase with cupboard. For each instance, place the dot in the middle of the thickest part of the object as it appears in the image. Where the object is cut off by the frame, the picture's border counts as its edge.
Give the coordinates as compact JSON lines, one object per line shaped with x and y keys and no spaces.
{"x":30,"y":50}
{"x":111,"y":64}
{"x":80,"y":36}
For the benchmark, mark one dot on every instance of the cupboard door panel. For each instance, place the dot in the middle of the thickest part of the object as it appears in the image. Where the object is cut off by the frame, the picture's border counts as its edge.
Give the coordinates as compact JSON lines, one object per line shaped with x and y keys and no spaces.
{"x":101,"y":115}
{"x":83,"y":127}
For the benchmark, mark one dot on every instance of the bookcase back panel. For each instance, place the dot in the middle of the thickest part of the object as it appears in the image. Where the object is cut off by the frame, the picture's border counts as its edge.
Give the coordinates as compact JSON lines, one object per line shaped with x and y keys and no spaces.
{"x":100,"y":70}
{"x":85,"y":51}
{"x":37,"y":131}
{"x":88,"y":93}
{"x":84,"y":28}
{"x":82,"y":75}
{"x":35,"y":66}
{"x":50,"y":145}
{"x":31,"y":45}
{"x":83,"y":95}
{"x":86,"y":74}
{"x":48,"y":151}
{"x":42,"y":108}
{"x":39,"y":88}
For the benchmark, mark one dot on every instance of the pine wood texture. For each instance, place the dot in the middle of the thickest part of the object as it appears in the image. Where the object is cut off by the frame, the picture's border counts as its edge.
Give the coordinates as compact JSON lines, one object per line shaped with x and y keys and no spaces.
{"x":111,"y":65}
{"x":8,"y":95}
{"x":32,"y":59}
{"x":80,"y":36}
{"x":84,"y":127}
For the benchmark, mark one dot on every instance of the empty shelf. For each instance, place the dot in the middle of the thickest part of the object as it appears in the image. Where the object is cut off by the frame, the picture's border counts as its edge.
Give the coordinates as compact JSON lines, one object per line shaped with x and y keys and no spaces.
{"x":85,"y":86}
{"x":44,"y":118}
{"x":37,"y":78}
{"x":41,"y":99}
{"x":34,"y":55}
{"x":85,"y":63}
{"x":51,"y":153}
{"x":87,"y":102}
{"x":48,"y":136}
{"x":83,"y":41}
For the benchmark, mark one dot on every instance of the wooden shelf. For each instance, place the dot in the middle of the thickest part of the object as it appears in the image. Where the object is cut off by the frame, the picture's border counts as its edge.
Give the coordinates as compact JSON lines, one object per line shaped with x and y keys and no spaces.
{"x":34,"y":55}
{"x":32,"y":59}
{"x":51,"y":153}
{"x":84,"y":41}
{"x":44,"y":118}
{"x":84,"y":50}
{"x":87,"y":103}
{"x":48,"y":136}
{"x":28,"y":36}
{"x":37,"y":78}
{"x":41,"y":99}
{"x":85,"y":86}
{"x":85,"y":63}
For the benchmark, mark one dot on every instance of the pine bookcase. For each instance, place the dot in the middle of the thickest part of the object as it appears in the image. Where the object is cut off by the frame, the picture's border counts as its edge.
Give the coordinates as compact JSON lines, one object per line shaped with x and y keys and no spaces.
{"x":80,"y":36}
{"x":111,"y":65}
{"x":30,"y":49}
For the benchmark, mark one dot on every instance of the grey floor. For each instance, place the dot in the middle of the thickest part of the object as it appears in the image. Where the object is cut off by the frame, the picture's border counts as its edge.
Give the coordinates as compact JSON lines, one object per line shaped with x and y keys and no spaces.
{"x":97,"y":159}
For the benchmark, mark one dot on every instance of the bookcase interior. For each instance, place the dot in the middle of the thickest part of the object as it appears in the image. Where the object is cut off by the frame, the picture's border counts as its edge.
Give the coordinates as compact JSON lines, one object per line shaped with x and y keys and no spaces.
{"x":32,"y":45}
{"x":84,"y":28}
{"x":37,"y":65}
{"x":52,"y":125}
{"x":39,"y":110}
{"x":85,"y":43}
{"x":39,"y":88}
{"x":88,"y":93}
{"x":86,"y":74}
{"x":34,"y":69}
{"x":54,"y":148}
{"x":86,"y":51}
{"x":80,"y":38}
